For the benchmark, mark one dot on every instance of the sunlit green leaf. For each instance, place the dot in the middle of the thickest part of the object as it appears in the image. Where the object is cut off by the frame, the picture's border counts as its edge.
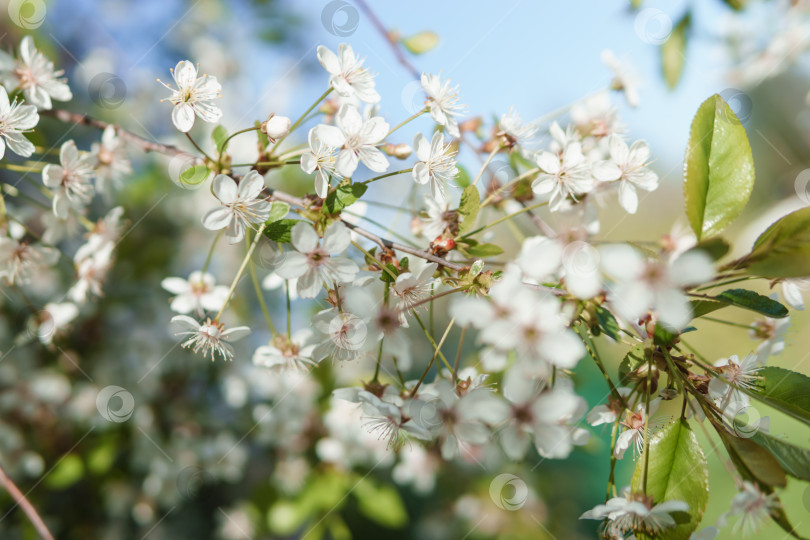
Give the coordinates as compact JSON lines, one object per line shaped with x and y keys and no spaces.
{"x":194,"y":175}
{"x":677,"y":471}
{"x":753,"y":301}
{"x":345,"y":195}
{"x":786,"y":391}
{"x":783,"y":250}
{"x":468,"y":208}
{"x":673,"y":52}
{"x":719,"y":168}
{"x":793,"y":459}
{"x":67,"y":472}
{"x":381,"y":503}
{"x":422,"y":42}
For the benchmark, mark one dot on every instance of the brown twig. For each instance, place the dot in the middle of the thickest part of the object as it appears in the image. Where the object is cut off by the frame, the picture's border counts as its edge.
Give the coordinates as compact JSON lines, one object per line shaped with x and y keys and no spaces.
{"x":389,"y":38}
{"x":136,"y":140}
{"x":23,"y":503}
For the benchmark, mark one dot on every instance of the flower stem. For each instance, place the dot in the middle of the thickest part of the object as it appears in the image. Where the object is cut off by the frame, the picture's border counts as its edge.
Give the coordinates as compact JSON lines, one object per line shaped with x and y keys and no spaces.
{"x":505,"y":218}
{"x":241,"y":270}
{"x":260,"y":297}
{"x":200,"y":150}
{"x":387,"y":175}
{"x":300,"y":121}
{"x":486,"y":164}
{"x":211,"y":251}
{"x":416,"y":115}
{"x":227,"y":140}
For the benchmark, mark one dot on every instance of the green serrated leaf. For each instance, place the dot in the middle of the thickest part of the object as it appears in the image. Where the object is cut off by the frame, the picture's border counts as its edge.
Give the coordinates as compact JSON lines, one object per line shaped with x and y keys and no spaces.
{"x":281,"y":230}
{"x":753,"y":461}
{"x":278,"y":211}
{"x":194,"y":175}
{"x":783,"y":250}
{"x":677,"y":472}
{"x":380,"y":503}
{"x":484,"y":250}
{"x":345,"y":195}
{"x":786,"y":391}
{"x":462,"y":179}
{"x":607,"y":323}
{"x":673,"y":52}
{"x":468,"y":208}
{"x":793,"y":459}
{"x":753,"y":301}
{"x":219,"y":135}
{"x":633,"y":360}
{"x":704,"y":307}
{"x":714,"y":247}
{"x":718,"y":169}
{"x":422,"y":42}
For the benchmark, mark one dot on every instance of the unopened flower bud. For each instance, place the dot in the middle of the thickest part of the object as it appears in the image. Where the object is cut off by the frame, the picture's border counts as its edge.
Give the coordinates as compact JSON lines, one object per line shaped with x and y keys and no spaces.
{"x":399,"y":151}
{"x":416,"y":226}
{"x":489,"y":146}
{"x":329,"y":107}
{"x":276,"y":127}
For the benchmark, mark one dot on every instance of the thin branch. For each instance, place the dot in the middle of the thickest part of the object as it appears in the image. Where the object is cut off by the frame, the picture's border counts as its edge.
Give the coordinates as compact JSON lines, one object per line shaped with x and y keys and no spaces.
{"x":151,"y":146}
{"x":389,"y":38}
{"x":23,"y":503}
{"x":136,"y":140}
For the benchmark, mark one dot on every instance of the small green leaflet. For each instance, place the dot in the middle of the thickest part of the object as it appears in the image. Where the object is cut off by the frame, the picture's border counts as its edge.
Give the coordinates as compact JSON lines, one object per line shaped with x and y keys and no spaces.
{"x":422,"y":42}
{"x":278,"y":211}
{"x":468,"y":208}
{"x":753,"y":302}
{"x":345,"y":195}
{"x":677,"y":471}
{"x":195,"y":175}
{"x":219,"y":135}
{"x":631,"y":362}
{"x":718,"y":168}
{"x":783,"y":250}
{"x":281,"y":230}
{"x":673,"y":52}
{"x":786,"y":391}
{"x":483,"y":250}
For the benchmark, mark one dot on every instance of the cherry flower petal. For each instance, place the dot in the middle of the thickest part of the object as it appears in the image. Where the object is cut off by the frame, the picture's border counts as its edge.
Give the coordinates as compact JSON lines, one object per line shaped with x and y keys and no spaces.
{"x":183,"y":117}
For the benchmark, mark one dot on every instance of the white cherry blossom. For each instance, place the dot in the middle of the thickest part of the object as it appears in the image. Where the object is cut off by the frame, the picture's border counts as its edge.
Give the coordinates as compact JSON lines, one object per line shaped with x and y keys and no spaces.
{"x":70,"y":180}
{"x":241,"y":206}
{"x":193,"y":96}
{"x":19,"y":260}
{"x":112,"y":163}
{"x":284,"y":353}
{"x":563,"y":175}
{"x":357,"y":139}
{"x":196,"y":294}
{"x":348,"y":76}
{"x":313,"y":262}
{"x":442,"y":102}
{"x":208,"y":337}
{"x":436,"y":163}
{"x":628,"y":166}
{"x":16,"y":118}
{"x":35,"y":75}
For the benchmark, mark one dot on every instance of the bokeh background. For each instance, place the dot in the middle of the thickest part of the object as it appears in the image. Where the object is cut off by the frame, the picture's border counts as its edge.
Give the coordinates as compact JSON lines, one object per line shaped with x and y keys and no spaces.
{"x":220,"y":450}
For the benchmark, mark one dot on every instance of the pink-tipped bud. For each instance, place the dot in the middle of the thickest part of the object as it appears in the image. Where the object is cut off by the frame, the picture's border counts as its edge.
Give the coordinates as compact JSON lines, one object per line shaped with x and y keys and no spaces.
{"x":399,"y":151}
